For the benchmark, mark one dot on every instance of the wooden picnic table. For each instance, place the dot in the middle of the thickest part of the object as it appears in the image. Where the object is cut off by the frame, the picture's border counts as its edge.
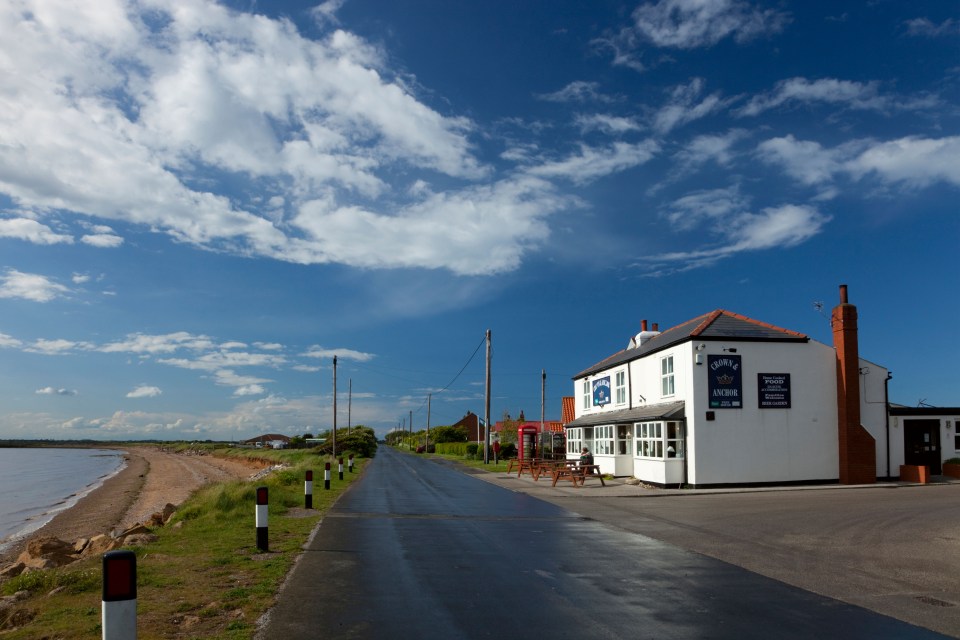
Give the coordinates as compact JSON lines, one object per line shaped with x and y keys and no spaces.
{"x":577,"y":474}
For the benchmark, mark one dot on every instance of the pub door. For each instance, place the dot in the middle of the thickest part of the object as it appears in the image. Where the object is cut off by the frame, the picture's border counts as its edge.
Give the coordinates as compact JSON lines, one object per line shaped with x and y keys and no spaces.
{"x":921,"y":444}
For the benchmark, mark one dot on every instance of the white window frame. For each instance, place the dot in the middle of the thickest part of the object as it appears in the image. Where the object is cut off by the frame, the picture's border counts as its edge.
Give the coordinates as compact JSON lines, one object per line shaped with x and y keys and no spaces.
{"x":654,"y":439}
{"x":668,"y":386}
{"x":620,"y":385}
{"x":603,"y":440}
{"x":574,"y":440}
{"x":649,"y":440}
{"x":586,"y":394}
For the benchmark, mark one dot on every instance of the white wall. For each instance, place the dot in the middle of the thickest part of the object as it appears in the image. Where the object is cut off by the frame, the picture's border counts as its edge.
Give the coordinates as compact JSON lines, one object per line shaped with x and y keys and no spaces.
{"x":752,"y":445}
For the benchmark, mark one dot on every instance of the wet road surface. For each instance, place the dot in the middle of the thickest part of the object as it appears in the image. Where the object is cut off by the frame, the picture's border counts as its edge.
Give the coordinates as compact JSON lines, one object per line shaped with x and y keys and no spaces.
{"x":418,"y":550}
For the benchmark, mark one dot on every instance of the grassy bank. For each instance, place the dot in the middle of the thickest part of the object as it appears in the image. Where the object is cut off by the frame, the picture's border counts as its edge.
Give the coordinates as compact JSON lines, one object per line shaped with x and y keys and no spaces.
{"x":204,"y":577}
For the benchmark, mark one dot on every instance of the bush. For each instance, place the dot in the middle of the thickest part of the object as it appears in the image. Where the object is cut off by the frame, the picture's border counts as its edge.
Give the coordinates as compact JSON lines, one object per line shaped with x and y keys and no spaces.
{"x":952,"y":461}
{"x":452,"y":448}
{"x":471,"y":449}
{"x":359,"y":440}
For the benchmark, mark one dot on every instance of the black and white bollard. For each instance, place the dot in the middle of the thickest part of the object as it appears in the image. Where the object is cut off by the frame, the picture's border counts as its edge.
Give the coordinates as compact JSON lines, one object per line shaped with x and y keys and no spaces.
{"x":340,"y":469}
{"x":326,"y":476}
{"x":350,"y":463}
{"x":262,"y":518}
{"x":119,"y":608}
{"x":308,"y":491}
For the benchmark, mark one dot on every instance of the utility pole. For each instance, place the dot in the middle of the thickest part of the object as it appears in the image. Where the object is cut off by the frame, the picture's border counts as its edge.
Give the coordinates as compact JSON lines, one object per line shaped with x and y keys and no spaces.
{"x":334,"y":406}
{"x":427,"y":445}
{"x":349,"y":405}
{"x":486,"y":408}
{"x":543,"y":401}
{"x":411,"y":429}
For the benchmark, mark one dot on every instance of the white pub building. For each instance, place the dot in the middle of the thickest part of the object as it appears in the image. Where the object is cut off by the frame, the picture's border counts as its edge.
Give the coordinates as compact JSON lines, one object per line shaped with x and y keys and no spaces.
{"x":725,"y":400}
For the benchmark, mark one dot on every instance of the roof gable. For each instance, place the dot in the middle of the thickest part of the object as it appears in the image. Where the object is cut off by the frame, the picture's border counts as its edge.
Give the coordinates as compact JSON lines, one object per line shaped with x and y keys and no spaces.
{"x":716,"y":325}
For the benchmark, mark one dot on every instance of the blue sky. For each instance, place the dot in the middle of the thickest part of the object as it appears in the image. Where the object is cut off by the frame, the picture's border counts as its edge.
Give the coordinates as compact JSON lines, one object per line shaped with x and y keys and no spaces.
{"x":201,"y":204}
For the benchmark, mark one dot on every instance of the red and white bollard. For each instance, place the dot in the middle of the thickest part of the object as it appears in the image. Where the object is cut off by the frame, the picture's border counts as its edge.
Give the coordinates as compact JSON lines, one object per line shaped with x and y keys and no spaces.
{"x":326,"y":476}
{"x":340,"y":468}
{"x":308,"y":491}
{"x":119,"y":606}
{"x":350,"y":463}
{"x":262,"y":518}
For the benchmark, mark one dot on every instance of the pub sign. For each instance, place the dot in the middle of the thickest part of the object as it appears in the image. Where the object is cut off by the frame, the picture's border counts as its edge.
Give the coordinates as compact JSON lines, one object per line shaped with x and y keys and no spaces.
{"x":725,"y":384}
{"x":601,"y":391}
{"x":773,"y":390}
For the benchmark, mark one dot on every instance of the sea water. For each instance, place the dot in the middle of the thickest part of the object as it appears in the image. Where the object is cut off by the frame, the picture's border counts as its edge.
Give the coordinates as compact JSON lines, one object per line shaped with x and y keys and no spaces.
{"x":36,"y":484}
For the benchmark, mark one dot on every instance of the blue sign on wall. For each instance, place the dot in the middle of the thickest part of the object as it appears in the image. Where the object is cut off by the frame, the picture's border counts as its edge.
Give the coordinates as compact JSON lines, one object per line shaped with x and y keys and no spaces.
{"x":725,"y":382}
{"x":601,"y":391}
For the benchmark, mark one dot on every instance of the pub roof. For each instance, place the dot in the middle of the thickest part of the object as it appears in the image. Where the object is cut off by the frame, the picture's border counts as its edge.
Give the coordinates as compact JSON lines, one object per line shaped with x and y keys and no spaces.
{"x":714,"y":326}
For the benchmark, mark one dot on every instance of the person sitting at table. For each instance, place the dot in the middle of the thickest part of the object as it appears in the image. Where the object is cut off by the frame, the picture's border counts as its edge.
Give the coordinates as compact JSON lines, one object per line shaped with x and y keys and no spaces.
{"x":585,"y":458}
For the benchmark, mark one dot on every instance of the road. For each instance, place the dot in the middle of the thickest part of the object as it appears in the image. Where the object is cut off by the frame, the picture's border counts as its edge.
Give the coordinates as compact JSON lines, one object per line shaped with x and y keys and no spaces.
{"x":419,"y":550}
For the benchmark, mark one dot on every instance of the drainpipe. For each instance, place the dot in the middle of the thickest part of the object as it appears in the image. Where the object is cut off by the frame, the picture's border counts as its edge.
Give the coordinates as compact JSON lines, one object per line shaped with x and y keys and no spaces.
{"x":686,"y":452}
{"x":886,"y":406}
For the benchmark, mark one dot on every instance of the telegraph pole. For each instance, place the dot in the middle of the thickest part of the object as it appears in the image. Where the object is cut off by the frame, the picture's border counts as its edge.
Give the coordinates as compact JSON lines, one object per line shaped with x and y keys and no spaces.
{"x":427,"y":445}
{"x":543,"y":401}
{"x":411,"y":430}
{"x":486,"y":408}
{"x":334,"y":406}
{"x":349,"y":405}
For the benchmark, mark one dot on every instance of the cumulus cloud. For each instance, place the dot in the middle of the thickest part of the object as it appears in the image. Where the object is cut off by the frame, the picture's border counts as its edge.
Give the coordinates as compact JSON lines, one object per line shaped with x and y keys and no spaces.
{"x":145,"y":391}
{"x":30,"y":286}
{"x":317,"y":351}
{"x":57,"y":347}
{"x":141,"y":343}
{"x":691,"y":24}
{"x":9,"y":342}
{"x":51,"y":391}
{"x":155,"y":92}
{"x":31,"y":231}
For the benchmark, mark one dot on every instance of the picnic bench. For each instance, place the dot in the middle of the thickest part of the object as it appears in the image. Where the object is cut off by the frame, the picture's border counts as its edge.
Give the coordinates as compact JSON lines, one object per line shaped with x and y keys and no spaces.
{"x":577,"y":474}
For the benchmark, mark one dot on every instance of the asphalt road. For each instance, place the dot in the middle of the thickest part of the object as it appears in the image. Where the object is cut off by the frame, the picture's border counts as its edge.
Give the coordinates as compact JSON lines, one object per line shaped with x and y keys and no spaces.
{"x":419,"y":550}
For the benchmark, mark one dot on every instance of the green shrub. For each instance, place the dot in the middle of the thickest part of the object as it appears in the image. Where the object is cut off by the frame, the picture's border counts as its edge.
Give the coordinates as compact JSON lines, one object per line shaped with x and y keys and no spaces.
{"x":453,"y":448}
{"x":952,"y":461}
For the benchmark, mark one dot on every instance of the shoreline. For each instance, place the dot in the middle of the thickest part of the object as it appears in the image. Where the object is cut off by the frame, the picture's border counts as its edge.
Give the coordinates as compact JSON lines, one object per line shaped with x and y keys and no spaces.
{"x":150,"y":479}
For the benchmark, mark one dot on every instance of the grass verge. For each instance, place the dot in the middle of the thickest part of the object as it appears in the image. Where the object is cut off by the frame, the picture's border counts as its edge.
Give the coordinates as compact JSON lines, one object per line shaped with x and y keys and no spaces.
{"x":204,"y":577}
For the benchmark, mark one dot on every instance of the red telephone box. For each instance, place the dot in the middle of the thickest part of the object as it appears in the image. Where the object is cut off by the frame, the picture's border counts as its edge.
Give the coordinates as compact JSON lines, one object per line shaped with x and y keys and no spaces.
{"x":527,"y":440}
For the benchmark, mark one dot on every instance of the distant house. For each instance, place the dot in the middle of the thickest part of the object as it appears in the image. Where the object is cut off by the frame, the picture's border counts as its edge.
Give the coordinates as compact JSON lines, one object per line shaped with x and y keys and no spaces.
{"x":269,"y":440}
{"x":471,"y":422}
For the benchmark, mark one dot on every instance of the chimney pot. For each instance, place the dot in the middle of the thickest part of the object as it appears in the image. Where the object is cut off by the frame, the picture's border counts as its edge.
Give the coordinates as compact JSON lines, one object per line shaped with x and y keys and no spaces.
{"x":656,"y":326}
{"x":843,"y":294}
{"x":643,"y":325}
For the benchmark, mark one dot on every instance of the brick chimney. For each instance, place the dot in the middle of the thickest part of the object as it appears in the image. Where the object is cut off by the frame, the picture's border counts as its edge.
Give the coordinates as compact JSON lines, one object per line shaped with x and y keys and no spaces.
{"x":858,"y":461}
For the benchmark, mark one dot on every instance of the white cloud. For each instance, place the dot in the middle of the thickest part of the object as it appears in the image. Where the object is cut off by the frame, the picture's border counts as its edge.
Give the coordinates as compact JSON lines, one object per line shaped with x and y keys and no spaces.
{"x":706,"y":148}
{"x":725,"y":214}
{"x":804,"y":160}
{"x":852,"y":95}
{"x":155,"y":92}
{"x":57,"y":347}
{"x":613,"y":125}
{"x":50,"y":391}
{"x":145,"y":391}
{"x":316,"y":351}
{"x":9,"y":342}
{"x":249,"y":390}
{"x":31,"y":231}
{"x":914,"y":161}
{"x":30,"y":286}
{"x":102,"y":240}
{"x":80,"y":278}
{"x":577,"y":91}
{"x":154,"y":344}
{"x":689,"y":24}
{"x":592,"y":163}
{"x":929,"y":29}
{"x":684,"y":106}
{"x":227,"y":378}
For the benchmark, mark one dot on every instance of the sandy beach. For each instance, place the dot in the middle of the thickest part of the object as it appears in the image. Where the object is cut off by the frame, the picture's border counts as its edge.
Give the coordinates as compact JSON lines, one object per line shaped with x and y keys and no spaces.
{"x":151,"y":479}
